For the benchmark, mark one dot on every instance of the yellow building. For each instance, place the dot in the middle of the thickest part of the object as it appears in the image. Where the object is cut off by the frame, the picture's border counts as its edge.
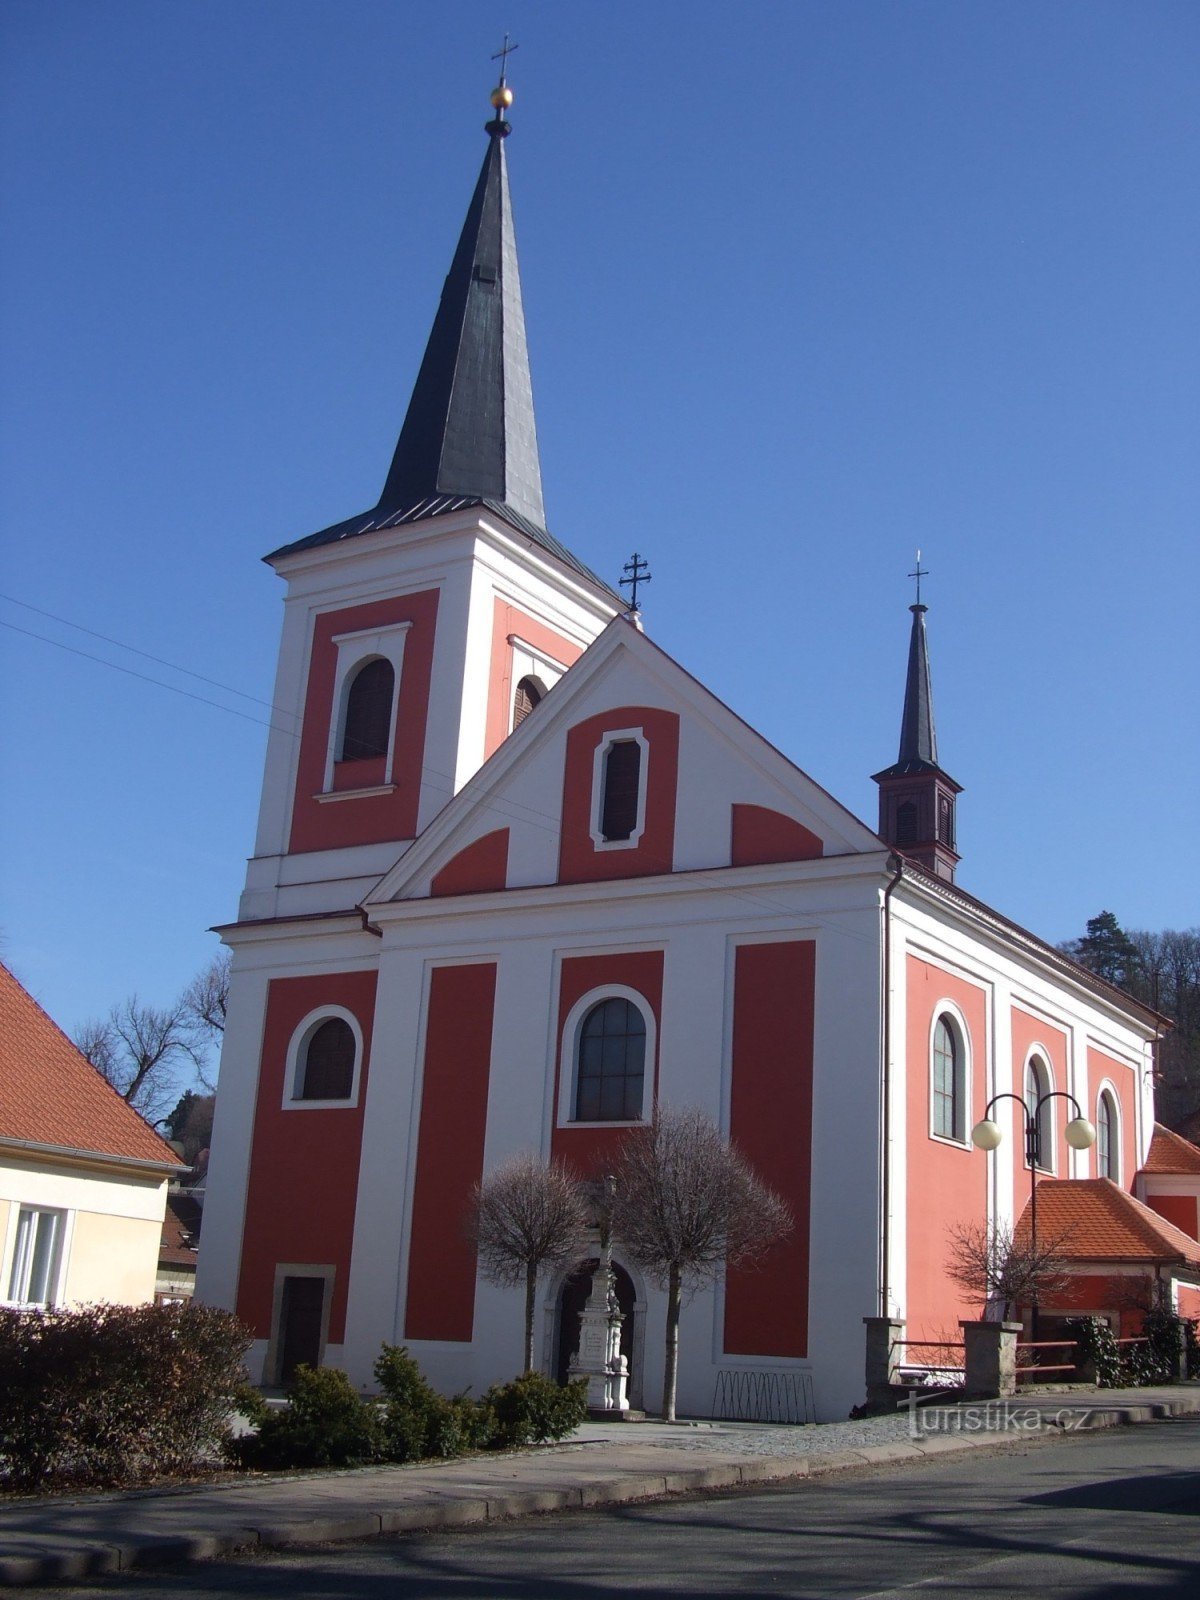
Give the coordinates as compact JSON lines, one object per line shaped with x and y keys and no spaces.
{"x":83,"y":1179}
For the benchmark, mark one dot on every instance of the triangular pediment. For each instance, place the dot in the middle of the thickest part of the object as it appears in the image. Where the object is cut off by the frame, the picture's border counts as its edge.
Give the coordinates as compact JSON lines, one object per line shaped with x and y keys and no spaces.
{"x":715,"y":793}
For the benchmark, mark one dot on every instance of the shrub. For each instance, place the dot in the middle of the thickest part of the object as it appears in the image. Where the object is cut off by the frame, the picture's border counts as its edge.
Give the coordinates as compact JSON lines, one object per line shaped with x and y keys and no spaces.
{"x":417,"y":1420}
{"x":324,"y":1424}
{"x":108,"y":1395}
{"x":533,"y":1408}
{"x":1096,"y":1342}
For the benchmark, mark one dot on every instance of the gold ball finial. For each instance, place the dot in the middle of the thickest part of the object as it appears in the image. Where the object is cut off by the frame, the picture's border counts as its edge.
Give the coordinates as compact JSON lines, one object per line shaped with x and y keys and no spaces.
{"x":501,"y":97}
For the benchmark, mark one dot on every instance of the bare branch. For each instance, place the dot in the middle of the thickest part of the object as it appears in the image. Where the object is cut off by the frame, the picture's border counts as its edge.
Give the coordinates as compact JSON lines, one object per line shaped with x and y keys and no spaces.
{"x":1003,"y":1269}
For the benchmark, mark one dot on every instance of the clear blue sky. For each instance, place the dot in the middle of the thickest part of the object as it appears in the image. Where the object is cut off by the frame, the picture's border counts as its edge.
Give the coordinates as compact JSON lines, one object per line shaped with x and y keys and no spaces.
{"x":808,"y":286}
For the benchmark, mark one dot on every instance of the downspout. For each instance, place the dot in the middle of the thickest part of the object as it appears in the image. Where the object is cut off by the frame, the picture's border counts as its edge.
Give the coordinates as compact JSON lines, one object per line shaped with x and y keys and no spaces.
{"x":896,"y":863}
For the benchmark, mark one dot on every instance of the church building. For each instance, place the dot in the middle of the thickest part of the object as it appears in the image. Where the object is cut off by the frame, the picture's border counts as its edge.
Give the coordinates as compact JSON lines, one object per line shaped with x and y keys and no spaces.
{"x":520,"y":878}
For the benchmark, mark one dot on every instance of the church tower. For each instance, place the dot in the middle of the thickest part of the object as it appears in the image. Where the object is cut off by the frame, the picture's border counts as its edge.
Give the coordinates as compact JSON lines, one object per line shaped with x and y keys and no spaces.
{"x":916,"y":798}
{"x":417,"y":634}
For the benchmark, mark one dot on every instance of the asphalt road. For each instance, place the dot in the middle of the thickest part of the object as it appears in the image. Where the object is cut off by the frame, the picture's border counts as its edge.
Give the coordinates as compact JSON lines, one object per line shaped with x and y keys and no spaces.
{"x":1100,"y":1515}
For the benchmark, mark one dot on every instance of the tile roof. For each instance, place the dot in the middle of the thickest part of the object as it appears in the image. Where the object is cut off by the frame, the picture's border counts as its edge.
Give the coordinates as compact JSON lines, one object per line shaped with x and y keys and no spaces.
{"x":181,"y":1231}
{"x":51,"y":1094}
{"x":1101,"y":1222}
{"x":1171,"y":1153}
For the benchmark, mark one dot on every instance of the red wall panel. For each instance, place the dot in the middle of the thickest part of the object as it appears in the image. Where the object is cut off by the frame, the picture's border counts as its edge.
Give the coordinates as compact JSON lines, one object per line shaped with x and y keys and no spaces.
{"x":579,"y":861}
{"x":454,"y":1096}
{"x":507,"y":620}
{"x":770,"y":1122}
{"x":325,"y":825}
{"x":290,"y":1216}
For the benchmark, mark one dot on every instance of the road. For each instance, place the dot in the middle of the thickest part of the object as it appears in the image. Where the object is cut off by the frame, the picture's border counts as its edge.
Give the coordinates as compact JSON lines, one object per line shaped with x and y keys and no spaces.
{"x":1096,"y":1515}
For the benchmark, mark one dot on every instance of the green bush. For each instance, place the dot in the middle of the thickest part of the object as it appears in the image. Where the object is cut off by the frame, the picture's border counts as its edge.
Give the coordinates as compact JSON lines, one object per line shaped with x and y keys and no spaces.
{"x":1096,"y":1342}
{"x":532,"y":1409}
{"x":417,"y":1420}
{"x":324,"y":1424}
{"x":109,"y":1395}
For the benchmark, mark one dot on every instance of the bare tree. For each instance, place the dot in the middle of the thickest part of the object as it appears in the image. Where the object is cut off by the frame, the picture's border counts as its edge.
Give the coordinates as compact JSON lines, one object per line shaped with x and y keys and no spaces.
{"x":204,"y":1003}
{"x":1005,"y":1270}
{"x":687,"y":1205}
{"x":142,"y":1051}
{"x":529,"y":1214}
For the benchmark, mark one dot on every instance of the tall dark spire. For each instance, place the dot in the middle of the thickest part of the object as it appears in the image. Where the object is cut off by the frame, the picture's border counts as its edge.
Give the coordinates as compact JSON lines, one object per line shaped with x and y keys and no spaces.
{"x":469,"y":430}
{"x":916,"y":798}
{"x":918,"y":740}
{"x":469,"y":437}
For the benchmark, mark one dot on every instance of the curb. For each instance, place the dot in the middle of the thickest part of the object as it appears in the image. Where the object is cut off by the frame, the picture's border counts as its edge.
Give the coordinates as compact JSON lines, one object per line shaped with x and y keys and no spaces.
{"x":107,"y":1557}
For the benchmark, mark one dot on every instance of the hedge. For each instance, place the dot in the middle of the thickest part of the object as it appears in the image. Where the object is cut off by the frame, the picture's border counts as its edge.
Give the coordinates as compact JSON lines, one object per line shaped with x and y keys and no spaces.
{"x":112,"y":1395}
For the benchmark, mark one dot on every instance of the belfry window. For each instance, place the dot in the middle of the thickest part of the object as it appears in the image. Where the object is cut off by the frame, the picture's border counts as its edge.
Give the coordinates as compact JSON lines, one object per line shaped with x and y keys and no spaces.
{"x":622,"y":780}
{"x":367,"y":724}
{"x":529,"y":693}
{"x":610,"y":1065}
{"x":906,"y":822}
{"x":326,"y":1068}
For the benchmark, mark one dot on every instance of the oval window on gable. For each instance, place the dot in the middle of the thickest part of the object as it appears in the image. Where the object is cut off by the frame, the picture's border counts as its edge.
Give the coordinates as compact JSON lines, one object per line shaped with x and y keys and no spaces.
{"x":622,"y":781}
{"x":326,"y":1070}
{"x":368,"y":712}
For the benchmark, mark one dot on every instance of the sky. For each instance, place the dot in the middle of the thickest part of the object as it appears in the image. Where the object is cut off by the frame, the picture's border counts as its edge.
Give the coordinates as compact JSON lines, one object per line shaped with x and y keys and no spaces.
{"x":808,"y":287}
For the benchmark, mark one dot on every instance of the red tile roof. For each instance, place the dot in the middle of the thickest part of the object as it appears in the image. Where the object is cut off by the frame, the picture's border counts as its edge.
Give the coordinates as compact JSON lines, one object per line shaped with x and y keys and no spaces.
{"x":1098,"y":1221}
{"x":181,"y":1231}
{"x":1171,"y":1153}
{"x":51,"y":1094}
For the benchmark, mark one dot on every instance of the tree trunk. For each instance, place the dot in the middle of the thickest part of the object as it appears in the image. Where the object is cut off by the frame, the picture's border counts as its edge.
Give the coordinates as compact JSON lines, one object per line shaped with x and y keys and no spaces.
{"x":530,"y":1298}
{"x":674,"y":1298}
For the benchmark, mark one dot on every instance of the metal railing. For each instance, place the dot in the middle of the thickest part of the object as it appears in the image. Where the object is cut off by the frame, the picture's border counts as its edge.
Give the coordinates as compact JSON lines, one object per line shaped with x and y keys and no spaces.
{"x":755,"y":1394}
{"x":949,"y":1374}
{"x":1037,"y":1367}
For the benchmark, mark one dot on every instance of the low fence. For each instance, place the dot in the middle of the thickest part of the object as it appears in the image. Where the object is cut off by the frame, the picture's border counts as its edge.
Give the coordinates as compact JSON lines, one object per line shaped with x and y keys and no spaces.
{"x":946,"y":1369}
{"x":756,"y":1394}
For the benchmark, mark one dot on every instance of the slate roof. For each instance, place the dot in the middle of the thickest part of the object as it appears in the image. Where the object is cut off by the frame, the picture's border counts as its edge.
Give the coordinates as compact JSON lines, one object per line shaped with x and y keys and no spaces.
{"x":50,"y":1094}
{"x":1171,"y":1153}
{"x":1104,"y":1223}
{"x":469,"y":436}
{"x":918,"y":736}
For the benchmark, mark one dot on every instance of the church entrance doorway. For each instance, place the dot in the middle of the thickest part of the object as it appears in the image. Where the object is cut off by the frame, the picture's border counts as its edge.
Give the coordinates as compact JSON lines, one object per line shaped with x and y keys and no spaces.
{"x":300,"y":1315}
{"x":571,"y":1300}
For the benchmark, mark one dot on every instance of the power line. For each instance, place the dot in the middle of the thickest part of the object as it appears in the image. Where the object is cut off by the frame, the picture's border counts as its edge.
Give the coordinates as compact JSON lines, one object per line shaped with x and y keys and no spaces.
{"x":134,"y":650}
{"x":146,"y":678}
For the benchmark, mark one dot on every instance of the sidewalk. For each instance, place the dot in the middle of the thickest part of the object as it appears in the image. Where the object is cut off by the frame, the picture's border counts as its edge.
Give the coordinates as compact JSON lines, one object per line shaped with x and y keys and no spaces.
{"x":67,"y":1537}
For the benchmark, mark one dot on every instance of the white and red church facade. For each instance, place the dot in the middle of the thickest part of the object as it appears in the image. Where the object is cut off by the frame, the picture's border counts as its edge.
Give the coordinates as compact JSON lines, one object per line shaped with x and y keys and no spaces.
{"x":520,"y":877}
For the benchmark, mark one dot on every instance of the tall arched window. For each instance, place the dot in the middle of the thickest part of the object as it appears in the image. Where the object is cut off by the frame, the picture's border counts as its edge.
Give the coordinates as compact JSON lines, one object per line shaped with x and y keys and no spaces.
{"x":368,"y":719}
{"x":610,"y":1065}
{"x":530,"y":692}
{"x":1107,"y":1164}
{"x":325,"y":1070}
{"x":1037,"y":1086}
{"x":949,"y":1083}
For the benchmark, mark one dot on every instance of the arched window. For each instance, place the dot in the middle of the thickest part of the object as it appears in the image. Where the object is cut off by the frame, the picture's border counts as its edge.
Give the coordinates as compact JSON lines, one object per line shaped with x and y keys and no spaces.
{"x":610,"y":1064}
{"x":1037,"y":1086}
{"x":1107,"y":1147}
{"x":368,"y":719}
{"x":622,"y":779}
{"x":949,"y":1083}
{"x":325,"y":1070}
{"x":530,"y":692}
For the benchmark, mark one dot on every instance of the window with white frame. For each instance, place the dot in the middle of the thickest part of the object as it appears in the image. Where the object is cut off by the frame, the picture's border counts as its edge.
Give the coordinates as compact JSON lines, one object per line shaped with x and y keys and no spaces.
{"x":610,"y":1063}
{"x":1107,"y":1141}
{"x":324,"y":1060}
{"x":37,"y":1250}
{"x":949,"y":1086}
{"x":619,"y":790}
{"x":1037,"y":1087}
{"x":366,"y":694}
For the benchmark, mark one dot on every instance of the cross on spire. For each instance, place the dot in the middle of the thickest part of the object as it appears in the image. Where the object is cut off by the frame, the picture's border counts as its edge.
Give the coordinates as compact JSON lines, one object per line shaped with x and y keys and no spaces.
{"x":639,"y":572}
{"x":502,"y":56}
{"x":921,"y":572}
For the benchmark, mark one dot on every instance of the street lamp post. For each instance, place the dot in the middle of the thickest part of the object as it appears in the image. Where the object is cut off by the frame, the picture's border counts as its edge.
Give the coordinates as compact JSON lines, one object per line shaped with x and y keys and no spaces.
{"x":1079,"y":1134}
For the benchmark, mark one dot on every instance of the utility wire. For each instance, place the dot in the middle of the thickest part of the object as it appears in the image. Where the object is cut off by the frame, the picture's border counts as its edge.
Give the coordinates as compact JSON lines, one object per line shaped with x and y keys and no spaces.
{"x":133,"y":650}
{"x":146,"y":678}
